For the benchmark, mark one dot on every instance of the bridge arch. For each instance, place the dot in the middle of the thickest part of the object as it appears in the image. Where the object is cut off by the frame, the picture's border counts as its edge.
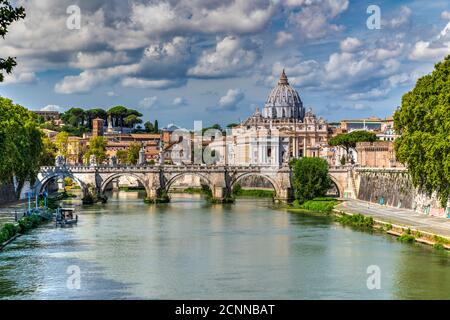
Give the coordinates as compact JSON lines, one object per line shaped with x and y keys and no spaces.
{"x":272,"y":181}
{"x":339,"y":187}
{"x":115,"y":176}
{"x":172,"y":179}
{"x":42,"y":184}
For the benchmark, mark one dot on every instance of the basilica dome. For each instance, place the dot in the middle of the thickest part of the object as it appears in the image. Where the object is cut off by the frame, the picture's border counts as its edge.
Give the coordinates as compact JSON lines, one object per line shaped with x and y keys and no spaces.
{"x":284,"y":102}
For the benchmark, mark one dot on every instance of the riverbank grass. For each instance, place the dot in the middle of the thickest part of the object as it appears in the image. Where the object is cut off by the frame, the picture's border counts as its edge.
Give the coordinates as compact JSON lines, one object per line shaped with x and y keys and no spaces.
{"x":10,"y":231}
{"x":321,"y":205}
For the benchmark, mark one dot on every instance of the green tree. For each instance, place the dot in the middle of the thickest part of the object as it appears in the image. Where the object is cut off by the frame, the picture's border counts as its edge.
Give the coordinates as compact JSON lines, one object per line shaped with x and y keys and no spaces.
{"x":349,"y":140}
{"x":118,"y":114}
{"x":8,"y":14}
{"x":49,"y":152}
{"x":156,"y":127}
{"x":149,"y":127}
{"x":62,"y":143}
{"x":423,"y":121}
{"x":133,"y":153}
{"x":310,"y":178}
{"x":122,"y":156}
{"x":20,"y":144}
{"x":132,"y":120}
{"x":74,"y":117}
{"x":97,"y":147}
{"x":94,"y":114}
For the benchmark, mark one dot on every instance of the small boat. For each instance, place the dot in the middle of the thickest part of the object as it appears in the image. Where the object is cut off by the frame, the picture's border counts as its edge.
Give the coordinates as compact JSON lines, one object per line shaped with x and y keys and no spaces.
{"x":66,"y":217}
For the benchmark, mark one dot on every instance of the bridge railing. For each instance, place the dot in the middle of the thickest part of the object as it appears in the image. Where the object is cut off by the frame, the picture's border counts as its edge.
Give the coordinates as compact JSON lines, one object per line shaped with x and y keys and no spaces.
{"x":218,"y":168}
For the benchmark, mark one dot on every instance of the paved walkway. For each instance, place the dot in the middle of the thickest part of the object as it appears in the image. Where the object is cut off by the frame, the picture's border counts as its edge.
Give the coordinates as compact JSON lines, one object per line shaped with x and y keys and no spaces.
{"x":404,"y":217}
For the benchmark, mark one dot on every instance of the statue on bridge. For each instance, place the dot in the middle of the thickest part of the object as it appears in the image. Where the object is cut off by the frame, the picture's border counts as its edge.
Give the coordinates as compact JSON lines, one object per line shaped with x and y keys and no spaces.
{"x":113,"y":161}
{"x":60,"y":161}
{"x":93,"y":160}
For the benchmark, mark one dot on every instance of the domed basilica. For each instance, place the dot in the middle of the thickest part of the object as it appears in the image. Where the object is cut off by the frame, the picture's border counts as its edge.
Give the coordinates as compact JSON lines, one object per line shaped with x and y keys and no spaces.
{"x":283,"y":130}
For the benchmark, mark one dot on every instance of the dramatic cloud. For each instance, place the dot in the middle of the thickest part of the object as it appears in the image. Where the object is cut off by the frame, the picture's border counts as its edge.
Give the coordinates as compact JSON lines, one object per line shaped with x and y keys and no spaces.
{"x":433,"y":50}
{"x":350,"y":44}
{"x":283,"y":38}
{"x":314,"y":19}
{"x":231,"y":56}
{"x":231,"y":99}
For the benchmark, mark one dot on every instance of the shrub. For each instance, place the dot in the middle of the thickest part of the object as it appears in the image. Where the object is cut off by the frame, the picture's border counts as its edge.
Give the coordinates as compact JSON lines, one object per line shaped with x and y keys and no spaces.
{"x":357,"y":220}
{"x":407,"y":238}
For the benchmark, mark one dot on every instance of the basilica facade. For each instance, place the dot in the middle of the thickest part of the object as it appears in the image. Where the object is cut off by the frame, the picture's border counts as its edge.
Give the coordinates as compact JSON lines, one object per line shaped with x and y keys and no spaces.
{"x":281,"y":131}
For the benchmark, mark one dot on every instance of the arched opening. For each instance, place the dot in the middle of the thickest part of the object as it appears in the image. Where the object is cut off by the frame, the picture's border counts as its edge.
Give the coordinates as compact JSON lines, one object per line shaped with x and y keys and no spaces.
{"x":335,"y":191}
{"x":188,"y":185}
{"x":254,"y":186}
{"x":62,"y":184}
{"x":124,"y":186}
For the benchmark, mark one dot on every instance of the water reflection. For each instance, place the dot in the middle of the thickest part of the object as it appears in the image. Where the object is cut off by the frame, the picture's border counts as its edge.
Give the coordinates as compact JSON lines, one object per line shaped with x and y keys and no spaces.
{"x":191,"y":249}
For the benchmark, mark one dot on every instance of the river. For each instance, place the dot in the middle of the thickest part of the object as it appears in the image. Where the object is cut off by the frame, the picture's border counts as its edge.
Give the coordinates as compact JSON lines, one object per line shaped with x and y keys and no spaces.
{"x":190,"y":249}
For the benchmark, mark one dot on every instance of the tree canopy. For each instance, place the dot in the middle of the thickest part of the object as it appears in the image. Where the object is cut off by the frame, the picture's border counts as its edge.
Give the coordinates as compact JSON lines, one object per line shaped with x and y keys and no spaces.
{"x":8,"y":14}
{"x":423,"y":120}
{"x":78,"y":121}
{"x":310,"y":178}
{"x":349,"y":140}
{"x":20,"y":144}
{"x":97,"y":147}
{"x":133,"y":153}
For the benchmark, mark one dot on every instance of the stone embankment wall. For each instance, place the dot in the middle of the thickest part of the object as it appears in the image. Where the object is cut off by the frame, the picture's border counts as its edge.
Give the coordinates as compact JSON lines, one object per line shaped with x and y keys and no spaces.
{"x":394,"y":188}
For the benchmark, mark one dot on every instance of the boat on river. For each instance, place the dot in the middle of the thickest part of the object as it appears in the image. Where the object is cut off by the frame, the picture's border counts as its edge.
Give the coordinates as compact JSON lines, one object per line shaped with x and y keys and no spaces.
{"x":66,"y":217}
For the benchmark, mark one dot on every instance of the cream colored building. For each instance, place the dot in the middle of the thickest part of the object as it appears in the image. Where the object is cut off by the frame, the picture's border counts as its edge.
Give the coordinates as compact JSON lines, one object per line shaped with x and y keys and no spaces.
{"x":282,"y":131}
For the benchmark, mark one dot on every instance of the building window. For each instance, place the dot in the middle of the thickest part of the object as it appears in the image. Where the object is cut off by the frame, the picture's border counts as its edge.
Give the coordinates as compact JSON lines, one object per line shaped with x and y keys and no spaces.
{"x":269,"y":152}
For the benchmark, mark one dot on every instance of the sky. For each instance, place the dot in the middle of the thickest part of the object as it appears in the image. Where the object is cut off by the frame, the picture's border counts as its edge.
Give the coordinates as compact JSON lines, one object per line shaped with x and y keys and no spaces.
{"x":215,"y":61}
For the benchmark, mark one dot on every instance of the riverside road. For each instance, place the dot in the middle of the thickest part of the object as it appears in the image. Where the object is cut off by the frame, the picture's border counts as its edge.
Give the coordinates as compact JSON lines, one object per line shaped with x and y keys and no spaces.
{"x":404,"y":217}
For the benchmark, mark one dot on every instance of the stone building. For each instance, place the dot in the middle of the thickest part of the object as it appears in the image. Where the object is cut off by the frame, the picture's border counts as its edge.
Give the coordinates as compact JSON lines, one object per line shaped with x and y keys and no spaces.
{"x":283,"y":130}
{"x":379,"y":154}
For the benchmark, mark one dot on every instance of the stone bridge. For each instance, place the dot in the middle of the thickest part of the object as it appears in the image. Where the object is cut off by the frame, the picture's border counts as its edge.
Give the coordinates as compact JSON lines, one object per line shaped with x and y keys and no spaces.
{"x":157,"y":180}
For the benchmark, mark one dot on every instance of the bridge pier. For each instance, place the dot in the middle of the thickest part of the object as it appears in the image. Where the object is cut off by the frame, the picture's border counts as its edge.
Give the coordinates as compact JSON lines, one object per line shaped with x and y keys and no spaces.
{"x":115,"y":185}
{"x":157,"y":195}
{"x":284,"y":196}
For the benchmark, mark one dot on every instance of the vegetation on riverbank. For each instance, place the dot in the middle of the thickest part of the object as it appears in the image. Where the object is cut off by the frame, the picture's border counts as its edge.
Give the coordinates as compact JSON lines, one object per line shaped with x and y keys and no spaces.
{"x":310,"y":178}
{"x":238,"y":191}
{"x":10,"y":230}
{"x":322,"y":205}
{"x":357,"y":221}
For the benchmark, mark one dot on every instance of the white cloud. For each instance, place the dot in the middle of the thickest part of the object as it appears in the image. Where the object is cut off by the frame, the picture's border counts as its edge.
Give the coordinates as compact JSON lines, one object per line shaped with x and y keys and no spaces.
{"x":111,"y":94}
{"x":423,"y":50}
{"x":433,"y":50}
{"x":231,"y":55}
{"x":131,"y":82}
{"x":148,"y":102}
{"x":350,"y":44}
{"x":314,"y":20}
{"x":231,"y":99}
{"x":402,"y":19}
{"x":89,"y":79}
{"x":445,"y":15}
{"x":205,"y":16}
{"x":99,"y":60}
{"x":179,"y":102}
{"x":51,"y":107}
{"x":283,"y":38}
{"x":18,"y":77}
